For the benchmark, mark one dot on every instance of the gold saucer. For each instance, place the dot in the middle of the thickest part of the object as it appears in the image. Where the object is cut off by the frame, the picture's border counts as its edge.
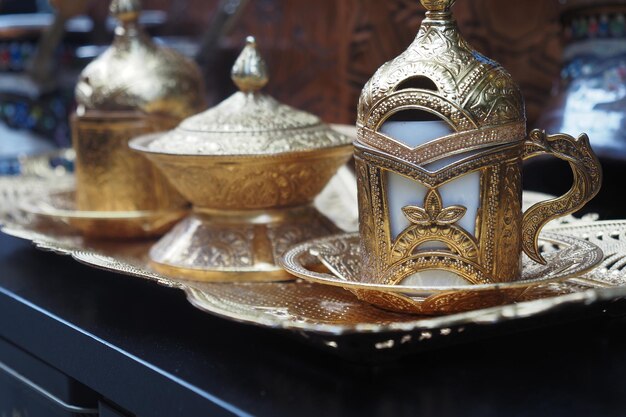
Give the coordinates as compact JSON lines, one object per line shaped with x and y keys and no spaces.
{"x":566,"y":257}
{"x":61,"y":207}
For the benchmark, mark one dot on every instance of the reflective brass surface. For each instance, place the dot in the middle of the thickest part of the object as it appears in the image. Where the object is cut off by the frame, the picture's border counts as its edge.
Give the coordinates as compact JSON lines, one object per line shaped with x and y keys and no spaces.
{"x":251,"y":167}
{"x":237,"y":246}
{"x":135,"y":87}
{"x":329,"y":316}
{"x":234,"y":228}
{"x":440,"y":74}
{"x":341,"y":255}
{"x":109,"y":176}
{"x":248,"y":182}
{"x":134,"y":73}
{"x":61,"y":207}
{"x":249,"y":72}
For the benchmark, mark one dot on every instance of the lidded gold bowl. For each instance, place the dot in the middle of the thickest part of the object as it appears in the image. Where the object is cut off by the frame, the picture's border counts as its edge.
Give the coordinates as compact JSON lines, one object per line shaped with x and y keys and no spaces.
{"x":251,"y":167}
{"x":135,"y":87}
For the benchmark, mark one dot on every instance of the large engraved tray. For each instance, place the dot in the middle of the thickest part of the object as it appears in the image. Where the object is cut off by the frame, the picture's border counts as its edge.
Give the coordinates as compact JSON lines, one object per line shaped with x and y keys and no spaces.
{"x":332,"y":318}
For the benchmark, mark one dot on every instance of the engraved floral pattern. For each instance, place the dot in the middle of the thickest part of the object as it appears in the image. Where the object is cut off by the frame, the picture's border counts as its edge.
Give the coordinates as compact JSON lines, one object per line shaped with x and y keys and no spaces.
{"x":433,"y":213}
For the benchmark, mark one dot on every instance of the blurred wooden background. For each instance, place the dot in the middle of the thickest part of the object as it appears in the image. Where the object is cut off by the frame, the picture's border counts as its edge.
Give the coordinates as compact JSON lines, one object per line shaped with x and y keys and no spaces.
{"x":321,"y":53}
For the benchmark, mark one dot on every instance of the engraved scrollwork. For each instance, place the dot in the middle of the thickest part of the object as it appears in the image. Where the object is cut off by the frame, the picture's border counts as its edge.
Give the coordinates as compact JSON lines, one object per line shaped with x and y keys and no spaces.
{"x":497,"y":101}
{"x":248,"y":123}
{"x":446,"y":146}
{"x":455,"y":239}
{"x":508,"y":243}
{"x":436,"y":260}
{"x":438,"y":5}
{"x":426,"y":100}
{"x":252,"y":182}
{"x":441,"y":74}
{"x":366,"y":217}
{"x":472,"y":258}
{"x":468,"y":300}
{"x":285,"y":235}
{"x":572,"y":257}
{"x":437,"y":178}
{"x":219,"y":247}
{"x":463,"y":77}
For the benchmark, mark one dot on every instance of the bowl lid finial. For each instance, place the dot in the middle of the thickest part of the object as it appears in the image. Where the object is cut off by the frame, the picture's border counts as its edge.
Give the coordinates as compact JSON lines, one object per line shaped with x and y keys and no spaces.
{"x":249,"y":72}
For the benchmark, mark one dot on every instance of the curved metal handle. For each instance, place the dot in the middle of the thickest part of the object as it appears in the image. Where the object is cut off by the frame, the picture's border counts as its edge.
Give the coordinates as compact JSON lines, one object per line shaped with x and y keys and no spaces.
{"x":587,"y":181}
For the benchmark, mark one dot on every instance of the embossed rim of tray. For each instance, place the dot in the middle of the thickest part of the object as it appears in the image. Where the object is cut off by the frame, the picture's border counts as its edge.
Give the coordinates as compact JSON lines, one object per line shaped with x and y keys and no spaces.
{"x":257,"y":316}
{"x":344,"y":211}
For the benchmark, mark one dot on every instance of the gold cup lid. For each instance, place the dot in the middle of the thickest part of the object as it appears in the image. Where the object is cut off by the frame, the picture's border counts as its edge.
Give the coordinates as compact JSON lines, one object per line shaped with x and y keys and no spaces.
{"x":136,"y":74}
{"x":440,"y":73}
{"x":249,"y":122}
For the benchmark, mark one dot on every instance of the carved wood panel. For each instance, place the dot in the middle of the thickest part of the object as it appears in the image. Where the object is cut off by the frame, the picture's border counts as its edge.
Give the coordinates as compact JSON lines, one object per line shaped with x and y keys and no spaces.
{"x":321,"y":53}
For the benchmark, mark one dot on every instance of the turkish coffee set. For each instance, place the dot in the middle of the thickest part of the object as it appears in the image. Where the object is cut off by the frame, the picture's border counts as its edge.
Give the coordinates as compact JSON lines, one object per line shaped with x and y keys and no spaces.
{"x":240,"y":205}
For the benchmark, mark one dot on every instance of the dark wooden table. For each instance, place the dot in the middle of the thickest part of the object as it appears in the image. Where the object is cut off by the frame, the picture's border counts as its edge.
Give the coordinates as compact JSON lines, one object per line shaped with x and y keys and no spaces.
{"x":142,"y":350}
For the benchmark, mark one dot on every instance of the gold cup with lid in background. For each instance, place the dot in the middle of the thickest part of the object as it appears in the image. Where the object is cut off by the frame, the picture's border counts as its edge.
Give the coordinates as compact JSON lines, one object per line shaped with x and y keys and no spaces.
{"x":251,"y":167}
{"x":135,"y":87}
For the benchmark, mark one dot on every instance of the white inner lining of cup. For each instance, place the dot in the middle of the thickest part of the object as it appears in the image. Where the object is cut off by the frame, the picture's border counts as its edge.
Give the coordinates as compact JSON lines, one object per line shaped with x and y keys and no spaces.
{"x":401,"y":192}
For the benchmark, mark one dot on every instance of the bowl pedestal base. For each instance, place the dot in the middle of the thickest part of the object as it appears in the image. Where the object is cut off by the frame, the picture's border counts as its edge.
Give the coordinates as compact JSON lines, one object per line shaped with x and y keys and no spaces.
{"x":217,"y":245}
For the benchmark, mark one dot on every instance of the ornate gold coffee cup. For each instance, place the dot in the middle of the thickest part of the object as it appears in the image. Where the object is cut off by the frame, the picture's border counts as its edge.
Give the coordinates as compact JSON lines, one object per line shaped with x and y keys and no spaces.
{"x":441,"y":140}
{"x":135,"y":87}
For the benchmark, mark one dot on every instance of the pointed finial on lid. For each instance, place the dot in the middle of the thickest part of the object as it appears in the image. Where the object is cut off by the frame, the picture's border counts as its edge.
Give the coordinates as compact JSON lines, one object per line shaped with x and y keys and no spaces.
{"x":249,"y":72}
{"x":126,"y":10}
{"x":438,"y":5}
